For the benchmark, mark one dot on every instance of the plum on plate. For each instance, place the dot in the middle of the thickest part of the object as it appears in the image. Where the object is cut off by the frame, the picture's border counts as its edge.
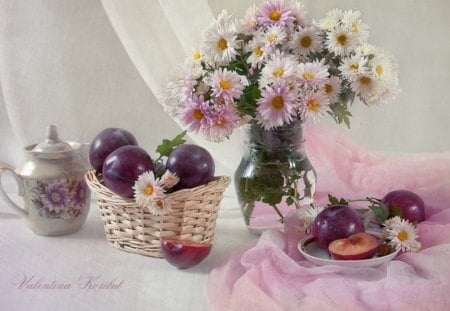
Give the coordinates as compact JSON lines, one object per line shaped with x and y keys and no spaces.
{"x":357,"y":246}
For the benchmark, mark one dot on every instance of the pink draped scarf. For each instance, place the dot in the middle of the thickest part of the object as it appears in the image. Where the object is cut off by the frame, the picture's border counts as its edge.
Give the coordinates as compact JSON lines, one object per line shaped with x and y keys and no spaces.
{"x":270,"y":273}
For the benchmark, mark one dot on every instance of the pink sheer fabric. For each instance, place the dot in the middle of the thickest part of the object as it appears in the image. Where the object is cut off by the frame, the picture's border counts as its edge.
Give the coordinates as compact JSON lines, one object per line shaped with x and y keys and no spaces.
{"x":270,"y":273}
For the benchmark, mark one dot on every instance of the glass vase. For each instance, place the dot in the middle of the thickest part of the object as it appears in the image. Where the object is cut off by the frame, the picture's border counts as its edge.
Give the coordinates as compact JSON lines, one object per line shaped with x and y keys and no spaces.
{"x":274,"y":175}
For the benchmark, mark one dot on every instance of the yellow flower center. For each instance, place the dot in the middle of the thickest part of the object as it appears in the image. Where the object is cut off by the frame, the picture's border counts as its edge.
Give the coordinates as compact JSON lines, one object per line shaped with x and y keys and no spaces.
{"x":258,"y":51}
{"x":355,"y":27}
{"x":354,"y":67}
{"x":197,"y":55}
{"x":160,"y":204}
{"x":148,"y":190}
{"x":342,"y":40}
{"x":272,"y":38}
{"x":379,"y":70}
{"x":222,"y":44}
{"x":313,"y":105}
{"x":275,"y":16}
{"x":308,"y":75}
{"x":225,"y":85}
{"x":198,"y":114}
{"x":278,"y":72}
{"x":306,"y":42}
{"x":365,"y":80}
{"x":277,"y":102}
{"x":220,"y":121}
{"x":328,"y":88}
{"x":402,"y":236}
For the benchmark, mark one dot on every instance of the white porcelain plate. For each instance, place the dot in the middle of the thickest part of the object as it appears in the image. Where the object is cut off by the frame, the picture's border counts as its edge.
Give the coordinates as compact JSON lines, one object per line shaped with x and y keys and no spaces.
{"x":319,"y":256}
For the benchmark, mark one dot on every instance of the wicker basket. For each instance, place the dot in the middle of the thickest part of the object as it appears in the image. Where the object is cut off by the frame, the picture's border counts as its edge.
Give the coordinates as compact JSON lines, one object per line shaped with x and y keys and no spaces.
{"x":132,"y":228}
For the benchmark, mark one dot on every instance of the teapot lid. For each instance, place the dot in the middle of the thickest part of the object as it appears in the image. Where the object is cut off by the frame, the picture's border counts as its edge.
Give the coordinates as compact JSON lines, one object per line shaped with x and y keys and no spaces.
{"x":52,"y":143}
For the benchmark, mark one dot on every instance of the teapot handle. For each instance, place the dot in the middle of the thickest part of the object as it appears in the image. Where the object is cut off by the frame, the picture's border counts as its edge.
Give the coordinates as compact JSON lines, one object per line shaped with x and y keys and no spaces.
{"x":19,"y":181}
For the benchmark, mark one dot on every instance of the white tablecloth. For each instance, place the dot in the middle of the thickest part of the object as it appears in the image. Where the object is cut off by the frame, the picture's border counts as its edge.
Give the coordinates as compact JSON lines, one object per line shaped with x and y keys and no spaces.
{"x":95,"y":276}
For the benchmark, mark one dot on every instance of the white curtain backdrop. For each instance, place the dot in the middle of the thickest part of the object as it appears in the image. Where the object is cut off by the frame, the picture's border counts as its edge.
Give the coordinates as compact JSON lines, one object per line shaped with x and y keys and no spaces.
{"x":86,"y":65}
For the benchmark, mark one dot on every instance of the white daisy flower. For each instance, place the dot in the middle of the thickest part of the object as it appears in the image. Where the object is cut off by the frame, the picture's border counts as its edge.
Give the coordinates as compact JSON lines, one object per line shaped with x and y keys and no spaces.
{"x":332,"y":88}
{"x":160,"y":206}
{"x":402,"y":235}
{"x":305,"y":41}
{"x":299,"y":12}
{"x":220,"y":44}
{"x":227,"y":84}
{"x":274,"y":35}
{"x":352,"y":66}
{"x":249,"y":22}
{"x":351,"y":20}
{"x":314,"y":105}
{"x":384,"y":69}
{"x":341,"y":41}
{"x":169,"y":179}
{"x":146,"y":188}
{"x":278,"y":69}
{"x":331,"y":20}
{"x":256,"y":48}
{"x":366,"y":49}
{"x":367,"y":86}
{"x":307,"y":215}
{"x":313,"y":74}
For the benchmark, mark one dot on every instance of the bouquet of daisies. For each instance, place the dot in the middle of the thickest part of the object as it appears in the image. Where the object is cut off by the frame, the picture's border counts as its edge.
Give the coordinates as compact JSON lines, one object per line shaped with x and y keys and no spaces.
{"x":273,"y":67}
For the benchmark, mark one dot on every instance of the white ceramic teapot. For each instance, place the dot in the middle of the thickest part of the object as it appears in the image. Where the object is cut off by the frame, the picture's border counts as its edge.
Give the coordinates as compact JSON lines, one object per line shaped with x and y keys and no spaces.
{"x":51,"y":184}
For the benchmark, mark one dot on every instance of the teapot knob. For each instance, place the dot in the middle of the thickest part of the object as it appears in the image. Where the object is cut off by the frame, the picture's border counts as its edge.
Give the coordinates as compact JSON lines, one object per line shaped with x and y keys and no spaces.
{"x":52,"y":134}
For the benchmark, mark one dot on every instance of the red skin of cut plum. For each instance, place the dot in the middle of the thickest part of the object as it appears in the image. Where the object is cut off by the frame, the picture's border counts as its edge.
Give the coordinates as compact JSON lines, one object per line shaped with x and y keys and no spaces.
{"x":106,"y":142}
{"x":123,"y":167}
{"x":412,"y":206}
{"x":184,"y":254}
{"x":358,"y":246}
{"x":335,"y":222}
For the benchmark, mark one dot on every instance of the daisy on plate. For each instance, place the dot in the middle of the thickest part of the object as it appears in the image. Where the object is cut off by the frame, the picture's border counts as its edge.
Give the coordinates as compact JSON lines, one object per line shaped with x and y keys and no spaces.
{"x":351,"y":20}
{"x":160,"y":206}
{"x":341,"y":41}
{"x":227,"y":84}
{"x":402,"y":234}
{"x":307,"y":215}
{"x":313,"y":74}
{"x":274,"y":12}
{"x":332,"y":88}
{"x":192,"y":113}
{"x":221,"y":122}
{"x":352,"y":66}
{"x":314,"y":105}
{"x":276,"y":106}
{"x":146,"y":188}
{"x":305,"y":41}
{"x":220,"y":43}
{"x":278,"y":69}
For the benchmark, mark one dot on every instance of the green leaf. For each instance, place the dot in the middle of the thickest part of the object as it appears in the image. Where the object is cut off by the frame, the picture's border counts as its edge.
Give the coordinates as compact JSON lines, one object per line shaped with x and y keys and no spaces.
{"x":396,"y":211}
{"x":166,"y":147}
{"x":340,"y":113}
{"x":335,"y":201}
{"x":381,"y":213}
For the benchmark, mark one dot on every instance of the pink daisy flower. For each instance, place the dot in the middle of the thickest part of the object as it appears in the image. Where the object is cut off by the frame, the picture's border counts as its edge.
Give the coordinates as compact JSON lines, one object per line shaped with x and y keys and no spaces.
{"x":314,"y":105}
{"x":192,"y":115}
{"x":227,"y":84}
{"x":276,"y":106}
{"x":275,"y":13}
{"x":221,"y":122}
